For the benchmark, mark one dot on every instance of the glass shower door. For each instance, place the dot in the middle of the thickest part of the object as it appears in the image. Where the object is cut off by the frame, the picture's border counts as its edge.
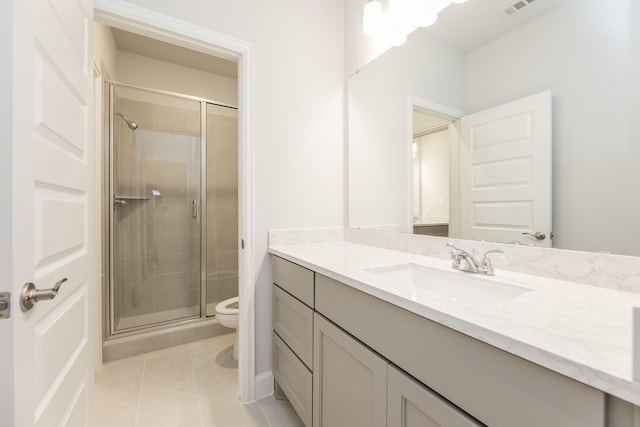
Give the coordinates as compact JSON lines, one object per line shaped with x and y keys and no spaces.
{"x":156,"y":158}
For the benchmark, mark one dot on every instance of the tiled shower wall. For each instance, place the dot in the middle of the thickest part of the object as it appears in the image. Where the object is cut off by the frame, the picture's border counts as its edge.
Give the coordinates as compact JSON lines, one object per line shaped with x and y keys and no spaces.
{"x":158,"y":244}
{"x":158,"y":241}
{"x":222,"y":205}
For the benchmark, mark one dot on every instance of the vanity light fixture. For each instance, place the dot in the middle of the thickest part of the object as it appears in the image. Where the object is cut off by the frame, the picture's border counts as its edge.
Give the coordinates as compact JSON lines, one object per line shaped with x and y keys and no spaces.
{"x":401,"y":17}
{"x":372,"y":22}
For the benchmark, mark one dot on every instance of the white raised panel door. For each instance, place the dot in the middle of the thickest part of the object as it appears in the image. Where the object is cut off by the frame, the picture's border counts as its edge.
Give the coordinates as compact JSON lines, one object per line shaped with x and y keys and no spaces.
{"x":505,"y":172}
{"x":53,"y":236}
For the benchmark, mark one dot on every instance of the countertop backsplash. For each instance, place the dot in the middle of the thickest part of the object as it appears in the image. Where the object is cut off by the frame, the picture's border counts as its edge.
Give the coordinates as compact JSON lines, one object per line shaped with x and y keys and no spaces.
{"x":617,"y":272}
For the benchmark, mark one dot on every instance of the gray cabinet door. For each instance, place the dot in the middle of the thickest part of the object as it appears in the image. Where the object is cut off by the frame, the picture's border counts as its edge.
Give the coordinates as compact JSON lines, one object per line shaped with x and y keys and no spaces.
{"x":294,"y":379}
{"x":410,"y":404}
{"x":350,"y":382}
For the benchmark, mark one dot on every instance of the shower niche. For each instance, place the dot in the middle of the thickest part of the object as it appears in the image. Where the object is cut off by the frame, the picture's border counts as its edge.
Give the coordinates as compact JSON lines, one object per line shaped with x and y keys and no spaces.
{"x":173,"y":217}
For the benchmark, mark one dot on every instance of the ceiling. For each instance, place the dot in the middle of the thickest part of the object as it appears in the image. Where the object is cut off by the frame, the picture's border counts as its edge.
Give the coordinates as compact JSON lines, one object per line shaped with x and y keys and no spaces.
{"x":156,"y":49}
{"x":464,"y":26}
{"x":476,"y":22}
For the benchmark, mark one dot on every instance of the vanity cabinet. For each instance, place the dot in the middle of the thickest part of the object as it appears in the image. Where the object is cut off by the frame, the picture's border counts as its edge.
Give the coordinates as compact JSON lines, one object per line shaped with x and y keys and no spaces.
{"x":355,"y":387}
{"x":491,"y":385}
{"x":346,"y":358}
{"x":293,"y":302}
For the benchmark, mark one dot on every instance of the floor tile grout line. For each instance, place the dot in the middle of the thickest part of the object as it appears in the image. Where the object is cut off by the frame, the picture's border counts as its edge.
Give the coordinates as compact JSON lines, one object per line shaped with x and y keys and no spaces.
{"x":264,"y":414}
{"x":144,"y":368}
{"x":195,"y":379}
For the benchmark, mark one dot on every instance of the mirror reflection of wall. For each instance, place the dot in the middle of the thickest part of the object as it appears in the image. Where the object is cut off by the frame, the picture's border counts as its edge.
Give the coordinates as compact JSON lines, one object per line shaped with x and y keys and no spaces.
{"x":431,"y":158}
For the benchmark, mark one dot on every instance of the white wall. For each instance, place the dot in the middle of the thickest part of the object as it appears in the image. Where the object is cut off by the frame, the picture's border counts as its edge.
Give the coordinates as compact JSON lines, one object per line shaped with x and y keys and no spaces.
{"x":104,"y":49}
{"x":583,"y":55}
{"x":298,"y":118}
{"x":379,"y":132}
{"x":153,"y":73}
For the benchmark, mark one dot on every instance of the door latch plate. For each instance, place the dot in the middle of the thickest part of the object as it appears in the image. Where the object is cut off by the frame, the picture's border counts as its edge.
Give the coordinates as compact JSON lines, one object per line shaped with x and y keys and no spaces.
{"x":5,"y":305}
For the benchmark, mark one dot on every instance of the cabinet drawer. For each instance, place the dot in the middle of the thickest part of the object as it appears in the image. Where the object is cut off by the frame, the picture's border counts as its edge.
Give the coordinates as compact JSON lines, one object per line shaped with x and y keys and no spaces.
{"x":296,"y":280}
{"x":410,"y":404}
{"x":293,"y":322}
{"x":497,"y":388}
{"x":294,"y":379}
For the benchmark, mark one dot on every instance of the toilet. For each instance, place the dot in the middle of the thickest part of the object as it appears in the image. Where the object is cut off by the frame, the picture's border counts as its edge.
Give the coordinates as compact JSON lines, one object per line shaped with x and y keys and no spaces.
{"x":227,"y":315}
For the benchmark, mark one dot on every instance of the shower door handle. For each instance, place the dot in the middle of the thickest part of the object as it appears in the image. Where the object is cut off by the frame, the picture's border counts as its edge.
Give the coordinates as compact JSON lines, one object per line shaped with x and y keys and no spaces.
{"x":194,"y":209}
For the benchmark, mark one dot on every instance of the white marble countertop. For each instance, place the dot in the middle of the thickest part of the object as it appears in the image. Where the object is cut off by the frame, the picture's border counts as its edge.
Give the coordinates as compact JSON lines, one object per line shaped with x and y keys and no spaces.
{"x":583,"y":332}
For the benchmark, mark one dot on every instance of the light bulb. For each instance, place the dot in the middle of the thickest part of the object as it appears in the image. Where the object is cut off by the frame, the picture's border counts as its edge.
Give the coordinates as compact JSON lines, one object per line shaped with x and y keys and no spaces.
{"x":398,"y":40}
{"x":372,"y":21}
{"x":428,"y":20}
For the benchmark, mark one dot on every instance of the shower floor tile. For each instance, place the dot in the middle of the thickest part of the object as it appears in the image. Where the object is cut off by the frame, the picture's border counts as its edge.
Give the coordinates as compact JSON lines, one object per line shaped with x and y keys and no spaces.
{"x":192,"y":385}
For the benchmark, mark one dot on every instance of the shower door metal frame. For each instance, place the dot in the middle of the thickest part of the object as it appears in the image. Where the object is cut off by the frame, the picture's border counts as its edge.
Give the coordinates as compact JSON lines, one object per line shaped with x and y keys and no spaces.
{"x":202,"y":208}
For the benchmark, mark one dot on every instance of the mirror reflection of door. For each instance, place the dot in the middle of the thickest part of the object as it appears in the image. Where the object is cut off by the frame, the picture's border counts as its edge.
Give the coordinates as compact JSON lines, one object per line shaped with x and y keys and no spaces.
{"x":505,"y":172}
{"x":491,"y":181}
{"x":431,"y":154}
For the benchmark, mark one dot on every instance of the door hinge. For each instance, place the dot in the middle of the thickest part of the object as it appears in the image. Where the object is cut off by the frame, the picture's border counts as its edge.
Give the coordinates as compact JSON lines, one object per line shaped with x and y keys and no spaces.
{"x":5,"y":305}
{"x":242,"y":243}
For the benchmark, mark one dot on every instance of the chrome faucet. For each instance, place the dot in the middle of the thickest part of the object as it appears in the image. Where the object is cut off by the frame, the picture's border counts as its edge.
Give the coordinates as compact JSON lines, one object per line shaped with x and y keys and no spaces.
{"x":464,"y":261}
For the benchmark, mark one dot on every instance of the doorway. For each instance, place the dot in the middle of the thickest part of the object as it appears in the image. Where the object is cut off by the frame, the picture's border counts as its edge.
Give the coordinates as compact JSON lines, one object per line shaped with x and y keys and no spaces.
{"x":431,"y":173}
{"x":433,"y":182}
{"x":135,"y":19}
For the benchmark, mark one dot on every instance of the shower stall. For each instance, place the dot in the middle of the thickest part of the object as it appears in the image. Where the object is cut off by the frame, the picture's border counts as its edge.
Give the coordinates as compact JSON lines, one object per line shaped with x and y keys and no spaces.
{"x":173,"y":208}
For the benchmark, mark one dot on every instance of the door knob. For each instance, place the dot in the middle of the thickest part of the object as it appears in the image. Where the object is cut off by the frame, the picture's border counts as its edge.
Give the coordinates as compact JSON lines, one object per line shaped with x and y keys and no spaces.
{"x":538,"y":235}
{"x":31,"y":295}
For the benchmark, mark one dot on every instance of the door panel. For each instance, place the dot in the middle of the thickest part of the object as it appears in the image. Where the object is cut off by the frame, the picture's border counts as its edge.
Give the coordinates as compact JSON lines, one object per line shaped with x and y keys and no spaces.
{"x":349,"y":381}
{"x":53,"y":235}
{"x":411,"y":404}
{"x":505,"y":172}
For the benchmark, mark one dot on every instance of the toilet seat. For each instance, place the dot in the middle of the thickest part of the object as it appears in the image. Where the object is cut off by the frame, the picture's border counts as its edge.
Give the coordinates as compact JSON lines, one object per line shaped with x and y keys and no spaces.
{"x":229,"y":306}
{"x":227,"y":313}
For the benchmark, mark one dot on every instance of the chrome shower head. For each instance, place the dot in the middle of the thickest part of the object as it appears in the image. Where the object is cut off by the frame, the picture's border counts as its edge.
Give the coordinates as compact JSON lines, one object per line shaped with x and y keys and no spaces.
{"x":130,"y":123}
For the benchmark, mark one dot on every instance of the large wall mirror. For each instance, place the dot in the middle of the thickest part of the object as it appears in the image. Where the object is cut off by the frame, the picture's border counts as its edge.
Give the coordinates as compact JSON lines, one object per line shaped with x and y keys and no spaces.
{"x":406,"y":114}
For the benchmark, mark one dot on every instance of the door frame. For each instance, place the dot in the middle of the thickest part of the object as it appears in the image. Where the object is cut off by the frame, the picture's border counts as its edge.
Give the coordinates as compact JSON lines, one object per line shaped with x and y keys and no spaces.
{"x":452,"y":115}
{"x":161,"y":27}
{"x":7,"y":400}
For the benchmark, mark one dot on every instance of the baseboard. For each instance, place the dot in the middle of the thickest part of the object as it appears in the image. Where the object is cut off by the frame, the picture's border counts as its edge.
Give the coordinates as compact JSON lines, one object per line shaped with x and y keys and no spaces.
{"x":264,"y":385}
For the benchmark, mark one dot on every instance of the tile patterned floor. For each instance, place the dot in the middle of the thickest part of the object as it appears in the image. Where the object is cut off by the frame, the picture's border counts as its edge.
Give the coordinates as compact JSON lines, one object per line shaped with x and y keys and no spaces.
{"x":192,"y":385}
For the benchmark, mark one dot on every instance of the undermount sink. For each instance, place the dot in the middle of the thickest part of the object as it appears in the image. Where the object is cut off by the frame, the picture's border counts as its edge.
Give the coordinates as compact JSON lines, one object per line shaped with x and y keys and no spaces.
{"x":455,"y":285}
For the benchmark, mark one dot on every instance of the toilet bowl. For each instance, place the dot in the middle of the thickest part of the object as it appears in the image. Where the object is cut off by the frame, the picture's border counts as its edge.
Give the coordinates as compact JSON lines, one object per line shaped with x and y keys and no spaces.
{"x":227,"y":315}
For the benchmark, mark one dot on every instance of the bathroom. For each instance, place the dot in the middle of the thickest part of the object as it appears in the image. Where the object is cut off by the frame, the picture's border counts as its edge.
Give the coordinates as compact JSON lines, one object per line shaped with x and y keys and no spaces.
{"x":170,"y":189}
{"x":293,"y":143}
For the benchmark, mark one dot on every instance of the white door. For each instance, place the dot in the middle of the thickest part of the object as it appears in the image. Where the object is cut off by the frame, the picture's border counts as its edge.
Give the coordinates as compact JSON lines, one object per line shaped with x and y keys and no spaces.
{"x":505,"y":172}
{"x":53,"y":236}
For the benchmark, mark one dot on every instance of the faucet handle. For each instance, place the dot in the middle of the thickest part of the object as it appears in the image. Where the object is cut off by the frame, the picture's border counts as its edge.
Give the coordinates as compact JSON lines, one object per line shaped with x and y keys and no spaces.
{"x":452,"y":246}
{"x":454,"y":252}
